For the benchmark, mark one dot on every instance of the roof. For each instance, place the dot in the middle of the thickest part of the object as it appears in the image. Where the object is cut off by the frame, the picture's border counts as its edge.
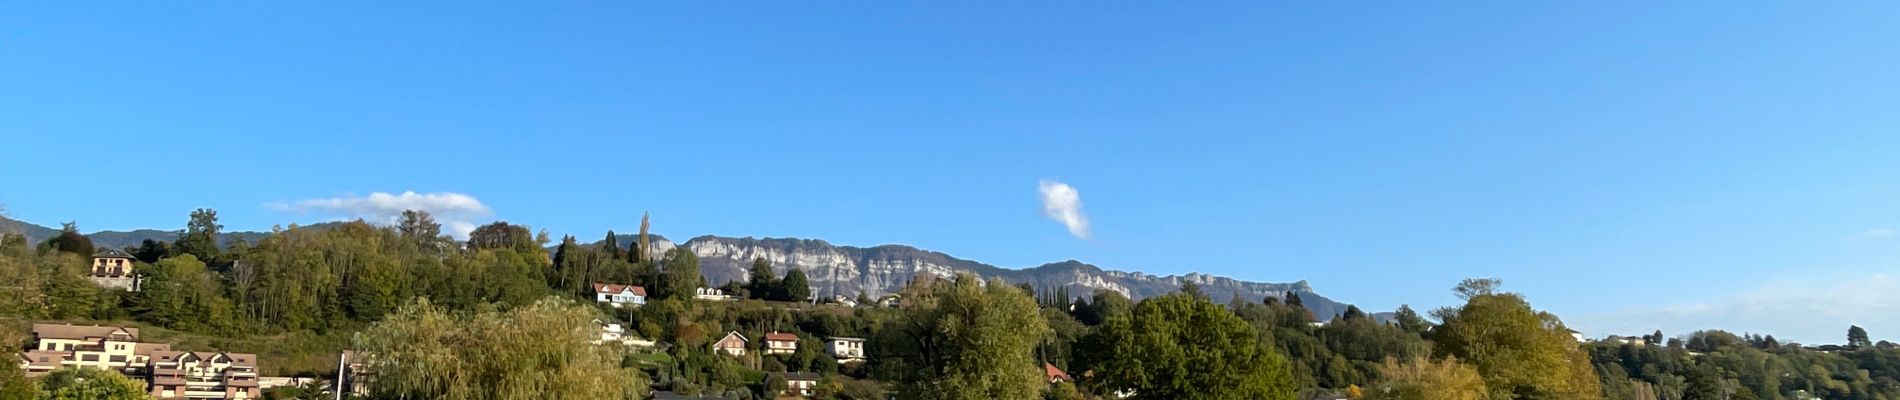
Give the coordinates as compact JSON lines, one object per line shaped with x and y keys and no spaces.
{"x":781,"y":337}
{"x":52,"y":358}
{"x":149,"y":348}
{"x":78,"y":332}
{"x":732,"y":334}
{"x":844,"y":339}
{"x":618,"y":288}
{"x":108,"y":252}
{"x":795,"y":376}
{"x":237,"y":359}
{"x":1054,"y":373}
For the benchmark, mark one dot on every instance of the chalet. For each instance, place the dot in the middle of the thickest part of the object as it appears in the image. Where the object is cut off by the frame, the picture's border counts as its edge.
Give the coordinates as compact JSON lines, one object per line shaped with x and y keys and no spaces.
{"x":113,"y":269}
{"x":1054,"y":374}
{"x":732,"y":344}
{"x":845,"y":349}
{"x":781,"y":343}
{"x":74,"y":346}
{"x":796,"y":383}
{"x":620,"y":295}
{"x":204,"y":375}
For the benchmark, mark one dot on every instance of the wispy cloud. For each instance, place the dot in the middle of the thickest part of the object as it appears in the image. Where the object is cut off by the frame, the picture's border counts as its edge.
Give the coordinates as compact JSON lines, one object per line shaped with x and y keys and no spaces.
{"x":1873,"y":233}
{"x":1806,"y":309}
{"x":458,"y":213}
{"x":1060,"y":202}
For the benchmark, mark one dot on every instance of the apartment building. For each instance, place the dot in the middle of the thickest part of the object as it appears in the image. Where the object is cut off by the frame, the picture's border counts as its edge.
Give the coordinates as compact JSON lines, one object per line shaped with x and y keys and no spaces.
{"x":204,"y":375}
{"x":58,"y":346}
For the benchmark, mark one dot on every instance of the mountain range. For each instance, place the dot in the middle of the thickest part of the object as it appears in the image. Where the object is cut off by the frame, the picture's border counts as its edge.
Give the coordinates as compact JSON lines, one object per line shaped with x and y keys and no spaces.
{"x":849,"y":270}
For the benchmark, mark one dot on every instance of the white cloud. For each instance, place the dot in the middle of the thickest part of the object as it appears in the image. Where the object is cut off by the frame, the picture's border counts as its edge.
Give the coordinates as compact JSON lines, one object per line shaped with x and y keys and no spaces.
{"x":458,"y":213}
{"x":1807,"y":309}
{"x":1060,"y":202}
{"x":1874,"y":233}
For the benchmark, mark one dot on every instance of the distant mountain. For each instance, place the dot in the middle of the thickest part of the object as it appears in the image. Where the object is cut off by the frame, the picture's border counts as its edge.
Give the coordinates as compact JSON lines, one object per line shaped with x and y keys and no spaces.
{"x":879,"y":270}
{"x":120,"y":239}
{"x":848,"y":270}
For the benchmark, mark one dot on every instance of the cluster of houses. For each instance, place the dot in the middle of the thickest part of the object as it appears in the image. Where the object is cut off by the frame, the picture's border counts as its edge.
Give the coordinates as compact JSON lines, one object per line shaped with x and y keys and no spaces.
{"x":169,"y":374}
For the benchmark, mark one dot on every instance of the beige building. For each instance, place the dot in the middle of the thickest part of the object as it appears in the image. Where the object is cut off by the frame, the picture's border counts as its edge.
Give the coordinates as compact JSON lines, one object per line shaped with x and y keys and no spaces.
{"x":781,"y":343}
{"x":800,"y":384}
{"x":204,"y":375}
{"x":74,"y":346}
{"x":113,"y":268}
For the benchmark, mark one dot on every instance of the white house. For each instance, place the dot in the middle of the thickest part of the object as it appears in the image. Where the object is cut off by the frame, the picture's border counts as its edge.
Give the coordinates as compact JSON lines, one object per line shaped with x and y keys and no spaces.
{"x":781,"y":343}
{"x":733,"y":344}
{"x":620,"y":295}
{"x":845,"y":349}
{"x":712,"y":294}
{"x":797,"y":383}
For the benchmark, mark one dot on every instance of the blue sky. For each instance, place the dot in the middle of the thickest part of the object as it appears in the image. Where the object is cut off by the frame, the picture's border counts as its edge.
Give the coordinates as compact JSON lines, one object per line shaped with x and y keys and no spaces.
{"x":1628,"y":166}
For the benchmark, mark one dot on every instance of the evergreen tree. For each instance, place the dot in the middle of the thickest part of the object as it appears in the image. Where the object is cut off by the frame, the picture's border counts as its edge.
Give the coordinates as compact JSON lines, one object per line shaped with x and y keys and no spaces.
{"x":761,"y":282}
{"x":201,"y":235}
{"x":1857,"y":337}
{"x":611,"y":246}
{"x":681,"y":274}
{"x":1353,"y":312}
{"x":1410,"y":321}
{"x":69,"y":240}
{"x":796,"y":288}
{"x":645,"y":247}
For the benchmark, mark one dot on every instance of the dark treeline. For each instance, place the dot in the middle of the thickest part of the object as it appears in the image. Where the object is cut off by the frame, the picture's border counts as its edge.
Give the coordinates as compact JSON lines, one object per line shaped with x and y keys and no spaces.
{"x":393,"y":290}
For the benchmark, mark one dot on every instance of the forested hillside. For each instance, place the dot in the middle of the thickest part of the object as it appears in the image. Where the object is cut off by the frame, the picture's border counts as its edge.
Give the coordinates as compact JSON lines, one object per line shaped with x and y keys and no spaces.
{"x":511,"y":309}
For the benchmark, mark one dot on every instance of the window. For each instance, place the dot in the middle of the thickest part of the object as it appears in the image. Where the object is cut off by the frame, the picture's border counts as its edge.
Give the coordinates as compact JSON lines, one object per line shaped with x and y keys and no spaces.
{"x":89,"y":357}
{"x":116,"y":359}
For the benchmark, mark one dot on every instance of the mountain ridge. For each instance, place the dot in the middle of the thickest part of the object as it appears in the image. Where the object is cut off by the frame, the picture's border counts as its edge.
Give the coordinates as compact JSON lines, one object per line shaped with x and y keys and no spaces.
{"x":848,"y":270}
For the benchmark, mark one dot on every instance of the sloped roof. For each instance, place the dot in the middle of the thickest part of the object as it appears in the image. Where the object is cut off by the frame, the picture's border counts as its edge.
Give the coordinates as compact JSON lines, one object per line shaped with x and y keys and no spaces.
{"x":1054,"y":373}
{"x":842,"y":338}
{"x":77,"y":332}
{"x":729,"y":335}
{"x":795,"y":376}
{"x":781,"y":337}
{"x":619,"y":288}
{"x":108,"y":252}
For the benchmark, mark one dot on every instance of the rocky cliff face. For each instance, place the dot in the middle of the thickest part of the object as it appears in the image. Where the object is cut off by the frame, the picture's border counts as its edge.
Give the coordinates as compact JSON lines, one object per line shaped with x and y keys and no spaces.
{"x":875,"y":271}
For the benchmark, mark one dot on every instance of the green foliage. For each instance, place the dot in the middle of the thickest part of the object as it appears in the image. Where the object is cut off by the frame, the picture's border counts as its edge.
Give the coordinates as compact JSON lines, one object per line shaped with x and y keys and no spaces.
{"x":201,"y":235}
{"x":70,"y":241}
{"x":1185,"y":347}
{"x":13,"y":382}
{"x":1857,"y":337}
{"x":795,"y":287}
{"x":680,"y":274}
{"x":1522,"y":353}
{"x":90,"y":384}
{"x":180,"y":293}
{"x":963,"y":340}
{"x":1420,"y":378}
{"x":537,"y":351}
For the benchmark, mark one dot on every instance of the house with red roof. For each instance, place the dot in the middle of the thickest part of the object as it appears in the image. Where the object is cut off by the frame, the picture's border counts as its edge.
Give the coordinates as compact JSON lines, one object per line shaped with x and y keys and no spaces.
{"x":620,"y":295}
{"x":1054,"y":374}
{"x":781,"y":343}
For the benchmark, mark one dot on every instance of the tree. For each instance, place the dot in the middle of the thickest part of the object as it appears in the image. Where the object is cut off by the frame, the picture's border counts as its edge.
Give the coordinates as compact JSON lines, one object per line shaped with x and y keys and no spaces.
{"x":1410,"y":321}
{"x":611,"y":245}
{"x":645,"y":248}
{"x":963,"y":340}
{"x":91,"y":384}
{"x":149,"y":251}
{"x":69,"y":240}
{"x":1192,"y":289}
{"x":1353,"y":312}
{"x":201,"y":235}
{"x":760,"y":281}
{"x":13,"y":382}
{"x":424,"y":351}
{"x":420,"y":228}
{"x":1185,"y":347}
{"x":794,"y":286}
{"x":1857,"y":337}
{"x":681,"y":274}
{"x":180,"y":293}
{"x":501,"y":235}
{"x":1423,"y":379}
{"x":1105,"y":304}
{"x":1520,"y":352}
